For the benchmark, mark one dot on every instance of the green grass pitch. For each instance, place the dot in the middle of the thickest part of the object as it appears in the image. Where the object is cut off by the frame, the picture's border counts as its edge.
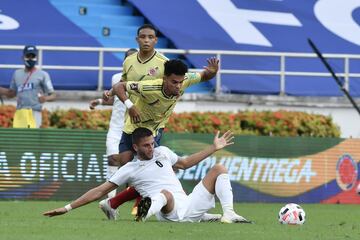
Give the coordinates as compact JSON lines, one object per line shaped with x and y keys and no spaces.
{"x":23,"y":220}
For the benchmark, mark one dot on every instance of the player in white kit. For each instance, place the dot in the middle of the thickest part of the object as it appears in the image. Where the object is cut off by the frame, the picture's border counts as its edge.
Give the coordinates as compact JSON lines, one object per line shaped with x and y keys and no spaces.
{"x":163,"y":194}
{"x":116,"y":125}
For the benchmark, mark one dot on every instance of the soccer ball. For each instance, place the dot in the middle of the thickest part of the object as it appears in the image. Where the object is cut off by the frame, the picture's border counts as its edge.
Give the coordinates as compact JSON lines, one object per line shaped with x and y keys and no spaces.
{"x":292,"y":214}
{"x":358,"y":189}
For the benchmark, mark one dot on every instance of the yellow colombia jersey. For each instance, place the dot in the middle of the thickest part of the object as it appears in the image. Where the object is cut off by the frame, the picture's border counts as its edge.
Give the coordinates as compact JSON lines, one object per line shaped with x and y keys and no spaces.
{"x":136,"y":70}
{"x":154,"y":106}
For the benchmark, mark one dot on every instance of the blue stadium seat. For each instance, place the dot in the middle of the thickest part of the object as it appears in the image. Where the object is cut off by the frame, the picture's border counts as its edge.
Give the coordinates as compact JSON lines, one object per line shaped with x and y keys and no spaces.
{"x":97,"y":31}
{"x":102,"y":16}
{"x":106,"y":21}
{"x":94,"y":9}
{"x":112,"y":2}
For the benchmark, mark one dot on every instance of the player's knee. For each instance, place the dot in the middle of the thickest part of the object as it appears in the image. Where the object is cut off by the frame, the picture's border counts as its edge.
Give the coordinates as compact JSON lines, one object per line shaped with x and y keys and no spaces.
{"x":168,"y":195}
{"x":219,"y":169}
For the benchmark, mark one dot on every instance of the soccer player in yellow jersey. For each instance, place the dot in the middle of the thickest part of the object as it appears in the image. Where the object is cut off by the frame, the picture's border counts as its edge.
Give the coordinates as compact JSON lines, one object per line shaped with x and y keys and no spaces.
{"x":147,"y":64}
{"x":155,"y":102}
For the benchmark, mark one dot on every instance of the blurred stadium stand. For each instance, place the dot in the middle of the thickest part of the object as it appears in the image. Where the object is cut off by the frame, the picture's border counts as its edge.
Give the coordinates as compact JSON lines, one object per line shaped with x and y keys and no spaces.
{"x":107,"y":23}
{"x":265,"y":26}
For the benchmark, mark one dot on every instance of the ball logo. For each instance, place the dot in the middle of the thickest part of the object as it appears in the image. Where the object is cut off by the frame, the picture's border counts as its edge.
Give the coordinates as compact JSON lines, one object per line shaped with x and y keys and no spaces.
{"x":346,"y":172}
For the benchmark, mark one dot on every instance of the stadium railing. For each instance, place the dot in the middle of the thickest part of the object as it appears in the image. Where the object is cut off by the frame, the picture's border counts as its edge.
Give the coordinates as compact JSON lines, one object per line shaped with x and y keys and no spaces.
{"x":283,"y":57}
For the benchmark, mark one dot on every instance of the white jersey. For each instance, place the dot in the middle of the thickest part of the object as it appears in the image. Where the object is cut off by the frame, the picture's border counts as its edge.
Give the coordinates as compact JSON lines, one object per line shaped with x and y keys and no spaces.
{"x":149,"y":177}
{"x":116,"y":122}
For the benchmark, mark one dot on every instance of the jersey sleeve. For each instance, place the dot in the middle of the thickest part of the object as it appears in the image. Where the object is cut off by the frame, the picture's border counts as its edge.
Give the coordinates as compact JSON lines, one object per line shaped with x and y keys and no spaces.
{"x":170,"y":155}
{"x":134,"y":88}
{"x":122,"y":175}
{"x":47,"y":84}
{"x":124,"y":71}
{"x":191,"y":79}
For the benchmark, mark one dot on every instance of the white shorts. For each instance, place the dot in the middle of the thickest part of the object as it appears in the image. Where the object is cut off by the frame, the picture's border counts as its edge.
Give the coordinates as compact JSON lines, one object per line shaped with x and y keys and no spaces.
{"x":190,"y":208}
{"x":112,"y":143}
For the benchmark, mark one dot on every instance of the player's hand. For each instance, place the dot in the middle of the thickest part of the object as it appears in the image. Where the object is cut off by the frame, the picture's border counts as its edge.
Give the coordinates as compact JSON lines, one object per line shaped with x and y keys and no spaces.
{"x":213,"y":65}
{"x":134,"y":115}
{"x":224,"y":140}
{"x":107,"y":94}
{"x":93,"y":104}
{"x":55,"y":212}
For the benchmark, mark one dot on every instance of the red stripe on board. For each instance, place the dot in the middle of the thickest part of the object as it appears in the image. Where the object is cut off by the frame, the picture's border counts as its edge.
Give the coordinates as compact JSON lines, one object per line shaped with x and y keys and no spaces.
{"x":47,"y":191}
{"x":349,"y":197}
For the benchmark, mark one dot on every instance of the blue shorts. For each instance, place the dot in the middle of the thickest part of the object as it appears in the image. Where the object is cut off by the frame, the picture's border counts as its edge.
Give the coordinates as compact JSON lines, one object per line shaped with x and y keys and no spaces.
{"x":126,"y":141}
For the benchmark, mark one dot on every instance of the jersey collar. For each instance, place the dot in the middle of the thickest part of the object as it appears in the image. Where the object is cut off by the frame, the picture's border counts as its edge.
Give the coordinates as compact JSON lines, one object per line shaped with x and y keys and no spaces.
{"x":146,"y":60}
{"x":165,"y":95}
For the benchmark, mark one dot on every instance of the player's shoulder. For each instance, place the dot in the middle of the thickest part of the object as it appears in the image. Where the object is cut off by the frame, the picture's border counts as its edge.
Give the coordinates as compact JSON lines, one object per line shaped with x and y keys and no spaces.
{"x":152,"y":86}
{"x":161,"y":57}
{"x":163,"y":149}
{"x":131,"y":58}
{"x":131,"y":165}
{"x":155,"y":82}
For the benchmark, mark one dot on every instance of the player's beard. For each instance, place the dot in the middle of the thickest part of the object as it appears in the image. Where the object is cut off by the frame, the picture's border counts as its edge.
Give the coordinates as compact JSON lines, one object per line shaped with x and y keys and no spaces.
{"x":144,"y":156}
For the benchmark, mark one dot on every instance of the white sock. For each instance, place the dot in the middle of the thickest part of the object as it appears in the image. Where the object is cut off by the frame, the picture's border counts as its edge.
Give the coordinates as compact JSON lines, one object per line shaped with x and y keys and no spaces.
{"x":111,"y":194}
{"x":224,"y":192}
{"x":157,"y":203}
{"x":110,"y":171}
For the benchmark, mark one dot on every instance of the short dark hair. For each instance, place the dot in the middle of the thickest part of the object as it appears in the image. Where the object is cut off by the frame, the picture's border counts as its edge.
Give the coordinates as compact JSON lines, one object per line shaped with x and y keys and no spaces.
{"x":129,"y":52}
{"x":175,"y":66}
{"x":147,"y":25}
{"x":140,"y":133}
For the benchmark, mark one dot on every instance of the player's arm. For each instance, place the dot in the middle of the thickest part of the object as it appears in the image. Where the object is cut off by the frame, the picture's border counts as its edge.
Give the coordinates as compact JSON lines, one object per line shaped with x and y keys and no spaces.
{"x":88,"y":197}
{"x":95,"y":102}
{"x":108,"y":97}
{"x":210,"y":70}
{"x":122,"y":176}
{"x":8,"y":92}
{"x":120,"y":90}
{"x":219,"y":143}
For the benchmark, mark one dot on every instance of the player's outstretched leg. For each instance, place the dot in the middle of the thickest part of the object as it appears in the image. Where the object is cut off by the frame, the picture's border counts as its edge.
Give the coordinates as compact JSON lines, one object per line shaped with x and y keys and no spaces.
{"x":126,"y":195}
{"x":217,"y":181}
{"x":209,"y":217}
